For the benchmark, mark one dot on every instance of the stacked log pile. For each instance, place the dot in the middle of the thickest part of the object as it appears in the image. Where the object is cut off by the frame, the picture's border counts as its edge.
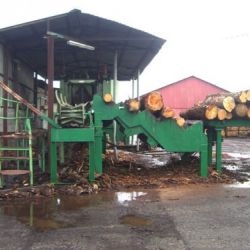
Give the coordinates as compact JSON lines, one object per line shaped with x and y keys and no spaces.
{"x":222,"y":106}
{"x":237,"y":131}
{"x":153,"y":102}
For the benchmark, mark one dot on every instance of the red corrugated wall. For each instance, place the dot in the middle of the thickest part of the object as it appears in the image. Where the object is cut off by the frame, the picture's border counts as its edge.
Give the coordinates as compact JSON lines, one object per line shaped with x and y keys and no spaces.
{"x":185,"y":93}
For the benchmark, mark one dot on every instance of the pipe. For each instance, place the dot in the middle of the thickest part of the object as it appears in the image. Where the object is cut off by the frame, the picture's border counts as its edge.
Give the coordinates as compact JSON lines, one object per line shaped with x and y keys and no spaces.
{"x":114,"y":94}
{"x":138,"y":98}
{"x":50,"y":69}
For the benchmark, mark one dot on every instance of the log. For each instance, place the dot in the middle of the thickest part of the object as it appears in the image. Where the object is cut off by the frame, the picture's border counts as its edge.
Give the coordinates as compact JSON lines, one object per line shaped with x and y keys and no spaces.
{"x":167,"y":112}
{"x":211,"y":112}
{"x":248,"y":95}
{"x":248,"y":113}
{"x":223,"y":133}
{"x":241,"y":110}
{"x":180,"y":121}
{"x":195,"y":113}
{"x":231,"y":133}
{"x":241,"y":97}
{"x":224,"y":101}
{"x":107,"y":98}
{"x":153,"y":101}
{"x":229,"y":116}
{"x":221,"y":114}
{"x":133,"y":105}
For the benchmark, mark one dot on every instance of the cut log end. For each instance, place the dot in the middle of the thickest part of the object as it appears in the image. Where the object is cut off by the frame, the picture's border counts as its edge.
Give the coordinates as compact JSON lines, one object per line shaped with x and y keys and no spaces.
{"x":108,"y":98}
{"x":229,"y":116}
{"x":221,"y":114}
{"x":154,"y":102}
{"x":211,"y":112}
{"x":229,"y":103}
{"x":241,"y":110}
{"x":248,"y":95}
{"x":167,"y":112}
{"x":180,"y":121}
{"x":242,"y":97}
{"x":133,"y":105}
{"x":248,"y":113}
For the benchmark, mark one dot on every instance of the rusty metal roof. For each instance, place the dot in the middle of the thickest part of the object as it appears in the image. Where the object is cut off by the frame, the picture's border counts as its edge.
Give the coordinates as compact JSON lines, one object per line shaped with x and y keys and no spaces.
{"x":135,"y":48}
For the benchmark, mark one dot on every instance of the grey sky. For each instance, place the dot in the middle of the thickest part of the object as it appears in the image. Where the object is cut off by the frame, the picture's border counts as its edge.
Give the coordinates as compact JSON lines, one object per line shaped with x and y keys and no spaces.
{"x":206,"y":38}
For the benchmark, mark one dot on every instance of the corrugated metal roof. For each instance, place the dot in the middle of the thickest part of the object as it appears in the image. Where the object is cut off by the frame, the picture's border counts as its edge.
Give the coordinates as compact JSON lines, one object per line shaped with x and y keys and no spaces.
{"x":135,"y":48}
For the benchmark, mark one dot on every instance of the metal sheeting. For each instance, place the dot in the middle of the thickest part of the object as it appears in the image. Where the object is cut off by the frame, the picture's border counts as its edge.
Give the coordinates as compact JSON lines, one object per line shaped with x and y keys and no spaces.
{"x":135,"y":48}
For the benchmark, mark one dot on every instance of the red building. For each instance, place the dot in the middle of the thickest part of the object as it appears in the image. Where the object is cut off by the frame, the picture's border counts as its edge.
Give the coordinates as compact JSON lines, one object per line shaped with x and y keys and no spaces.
{"x":183,"y":94}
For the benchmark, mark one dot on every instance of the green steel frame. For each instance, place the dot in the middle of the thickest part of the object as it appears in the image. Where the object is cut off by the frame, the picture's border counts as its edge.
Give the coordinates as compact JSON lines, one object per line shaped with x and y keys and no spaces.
{"x":214,"y":129}
{"x":165,"y":133}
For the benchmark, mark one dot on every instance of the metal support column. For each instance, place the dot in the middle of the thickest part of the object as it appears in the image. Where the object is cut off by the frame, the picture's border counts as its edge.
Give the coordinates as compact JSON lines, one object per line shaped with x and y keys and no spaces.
{"x":35,"y":90}
{"x":50,"y":48}
{"x":50,"y":76}
{"x":4,"y":93}
{"x":138,"y":98}
{"x":91,"y":161}
{"x":98,"y":146}
{"x":53,"y":163}
{"x":114,"y":94}
{"x":210,"y":146}
{"x":133,"y":96}
{"x":204,"y":161}
{"x":218,"y":149}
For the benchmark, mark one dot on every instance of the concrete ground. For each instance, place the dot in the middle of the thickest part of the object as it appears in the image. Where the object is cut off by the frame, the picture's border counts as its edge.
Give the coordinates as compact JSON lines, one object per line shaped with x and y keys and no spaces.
{"x":199,"y":216}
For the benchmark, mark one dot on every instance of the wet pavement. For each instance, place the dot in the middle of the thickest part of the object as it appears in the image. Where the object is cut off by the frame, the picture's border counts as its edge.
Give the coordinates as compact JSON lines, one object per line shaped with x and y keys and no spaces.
{"x":185,"y":217}
{"x":200,"y":216}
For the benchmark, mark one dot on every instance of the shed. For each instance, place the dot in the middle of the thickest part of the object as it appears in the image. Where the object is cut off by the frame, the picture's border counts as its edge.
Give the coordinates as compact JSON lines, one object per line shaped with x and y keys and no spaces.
{"x":45,"y":48}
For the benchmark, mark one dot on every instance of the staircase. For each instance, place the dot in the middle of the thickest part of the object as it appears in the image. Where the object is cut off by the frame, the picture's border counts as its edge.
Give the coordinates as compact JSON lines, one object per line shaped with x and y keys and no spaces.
{"x":16,"y":146}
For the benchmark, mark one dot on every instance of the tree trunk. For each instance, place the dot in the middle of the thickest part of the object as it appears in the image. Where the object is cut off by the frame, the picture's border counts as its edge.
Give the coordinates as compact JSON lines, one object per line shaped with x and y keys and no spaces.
{"x":153,"y":102}
{"x":241,"y":110}
{"x":167,"y":112}
{"x":133,"y":105}
{"x":195,"y":113}
{"x":222,"y":114}
{"x":225,"y":101}
{"x":248,"y":95}
{"x":229,"y":116}
{"x":248,"y":113}
{"x":241,"y":97}
{"x":107,"y":98}
{"x":180,"y":122}
{"x":211,"y":112}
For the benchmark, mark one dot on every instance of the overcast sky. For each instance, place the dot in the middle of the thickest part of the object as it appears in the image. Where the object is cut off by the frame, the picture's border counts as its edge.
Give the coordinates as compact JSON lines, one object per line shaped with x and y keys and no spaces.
{"x":206,"y":38}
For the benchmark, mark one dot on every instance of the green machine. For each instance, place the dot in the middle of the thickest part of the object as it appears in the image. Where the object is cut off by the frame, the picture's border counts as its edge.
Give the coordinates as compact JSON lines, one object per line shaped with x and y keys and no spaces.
{"x":164,"y":133}
{"x":214,"y":129}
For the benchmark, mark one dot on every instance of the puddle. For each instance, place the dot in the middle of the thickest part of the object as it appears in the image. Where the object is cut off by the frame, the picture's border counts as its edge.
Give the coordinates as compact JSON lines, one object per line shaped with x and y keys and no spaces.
{"x":135,"y":220}
{"x":55,"y":213}
{"x":124,"y":197}
{"x":45,"y":214}
{"x":231,"y":167}
{"x":238,"y":155}
{"x":240,"y":185}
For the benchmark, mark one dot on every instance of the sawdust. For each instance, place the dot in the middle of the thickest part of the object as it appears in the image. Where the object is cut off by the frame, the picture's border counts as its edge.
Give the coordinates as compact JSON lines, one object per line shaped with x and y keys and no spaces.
{"x":130,"y":171}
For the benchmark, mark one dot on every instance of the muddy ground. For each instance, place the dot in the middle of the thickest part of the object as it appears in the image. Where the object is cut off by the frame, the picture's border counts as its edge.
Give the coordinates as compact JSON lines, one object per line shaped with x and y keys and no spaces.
{"x":137,"y":206}
{"x":147,"y":169}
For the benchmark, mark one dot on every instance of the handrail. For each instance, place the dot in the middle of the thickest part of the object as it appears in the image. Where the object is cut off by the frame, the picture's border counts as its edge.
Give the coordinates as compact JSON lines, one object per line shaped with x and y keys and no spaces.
{"x":27,"y":104}
{"x":8,"y":100}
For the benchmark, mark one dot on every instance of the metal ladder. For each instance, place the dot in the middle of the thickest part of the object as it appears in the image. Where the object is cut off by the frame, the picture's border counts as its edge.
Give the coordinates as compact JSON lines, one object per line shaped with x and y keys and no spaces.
{"x":21,"y":138}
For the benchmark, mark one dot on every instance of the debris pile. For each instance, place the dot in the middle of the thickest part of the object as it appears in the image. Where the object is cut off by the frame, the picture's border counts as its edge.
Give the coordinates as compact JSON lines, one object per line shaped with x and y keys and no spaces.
{"x":46,"y":190}
{"x":130,"y":171}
